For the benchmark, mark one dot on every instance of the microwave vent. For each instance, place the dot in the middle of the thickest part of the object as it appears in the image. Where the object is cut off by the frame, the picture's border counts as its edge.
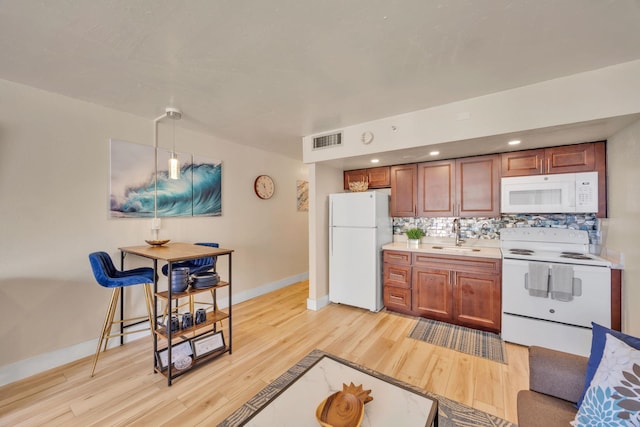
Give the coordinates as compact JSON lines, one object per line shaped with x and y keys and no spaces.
{"x":326,"y":141}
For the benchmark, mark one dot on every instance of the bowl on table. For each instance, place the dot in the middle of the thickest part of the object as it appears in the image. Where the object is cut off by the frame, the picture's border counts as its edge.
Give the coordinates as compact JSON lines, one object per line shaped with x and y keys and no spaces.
{"x":157,"y":242}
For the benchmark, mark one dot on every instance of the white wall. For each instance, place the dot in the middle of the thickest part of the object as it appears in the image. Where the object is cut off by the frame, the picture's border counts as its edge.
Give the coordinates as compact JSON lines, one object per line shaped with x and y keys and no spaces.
{"x":622,"y":228}
{"x":607,"y":92}
{"x":54,"y":187}
{"x":323,"y":180}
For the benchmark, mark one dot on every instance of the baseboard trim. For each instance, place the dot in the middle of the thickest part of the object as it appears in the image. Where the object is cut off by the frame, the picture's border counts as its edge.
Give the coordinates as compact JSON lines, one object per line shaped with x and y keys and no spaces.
{"x":53,"y":359}
{"x":317,"y":304}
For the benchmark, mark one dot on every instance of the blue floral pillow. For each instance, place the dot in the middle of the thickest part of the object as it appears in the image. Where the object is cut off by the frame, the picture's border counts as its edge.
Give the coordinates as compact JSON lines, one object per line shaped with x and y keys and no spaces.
{"x":597,"y":347}
{"x":613,"y":397}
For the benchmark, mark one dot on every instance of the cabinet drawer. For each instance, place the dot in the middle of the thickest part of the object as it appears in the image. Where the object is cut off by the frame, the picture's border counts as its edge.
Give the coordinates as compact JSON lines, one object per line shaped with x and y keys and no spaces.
{"x":462,"y":263}
{"x":397,"y":257}
{"x":397,"y":275}
{"x":398,"y":299}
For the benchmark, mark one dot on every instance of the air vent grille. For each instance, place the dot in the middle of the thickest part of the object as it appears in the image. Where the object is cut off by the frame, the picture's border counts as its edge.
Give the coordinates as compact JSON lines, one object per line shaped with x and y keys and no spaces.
{"x":326,"y":141}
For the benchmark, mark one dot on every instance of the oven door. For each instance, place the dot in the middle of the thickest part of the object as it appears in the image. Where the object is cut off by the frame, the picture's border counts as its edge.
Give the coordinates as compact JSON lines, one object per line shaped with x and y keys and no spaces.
{"x":592,"y":302}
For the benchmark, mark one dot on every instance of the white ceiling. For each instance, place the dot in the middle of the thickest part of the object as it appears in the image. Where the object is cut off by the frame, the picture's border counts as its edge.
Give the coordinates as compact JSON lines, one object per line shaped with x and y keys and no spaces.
{"x":267,"y":72}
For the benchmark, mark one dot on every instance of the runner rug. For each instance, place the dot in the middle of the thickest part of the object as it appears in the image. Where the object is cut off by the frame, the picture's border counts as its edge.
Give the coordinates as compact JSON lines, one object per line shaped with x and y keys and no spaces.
{"x":450,"y":412}
{"x":465,"y":340}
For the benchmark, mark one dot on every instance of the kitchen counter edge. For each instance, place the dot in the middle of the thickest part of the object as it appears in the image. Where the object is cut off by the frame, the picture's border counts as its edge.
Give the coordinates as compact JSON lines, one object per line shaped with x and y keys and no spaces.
{"x":484,"y":252}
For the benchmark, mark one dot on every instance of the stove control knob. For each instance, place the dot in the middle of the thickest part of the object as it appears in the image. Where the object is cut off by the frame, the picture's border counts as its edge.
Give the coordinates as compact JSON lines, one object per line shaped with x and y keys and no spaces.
{"x":552,"y":311}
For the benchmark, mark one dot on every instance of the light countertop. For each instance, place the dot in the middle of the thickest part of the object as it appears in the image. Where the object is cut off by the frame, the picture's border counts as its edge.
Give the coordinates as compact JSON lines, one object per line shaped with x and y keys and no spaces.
{"x":472,"y":247}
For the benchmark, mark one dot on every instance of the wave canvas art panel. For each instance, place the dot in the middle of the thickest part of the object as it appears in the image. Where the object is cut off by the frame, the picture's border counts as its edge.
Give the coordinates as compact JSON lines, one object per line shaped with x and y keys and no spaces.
{"x":134,"y":193}
{"x":207,"y":186}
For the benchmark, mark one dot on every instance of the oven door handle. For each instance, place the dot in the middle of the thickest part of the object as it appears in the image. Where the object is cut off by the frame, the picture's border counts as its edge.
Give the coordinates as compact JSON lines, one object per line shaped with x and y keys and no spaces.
{"x":577,"y":284}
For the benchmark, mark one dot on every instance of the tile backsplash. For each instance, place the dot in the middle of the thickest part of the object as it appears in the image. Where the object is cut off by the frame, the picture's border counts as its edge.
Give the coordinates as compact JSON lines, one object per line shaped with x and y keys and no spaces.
{"x":488,"y":228}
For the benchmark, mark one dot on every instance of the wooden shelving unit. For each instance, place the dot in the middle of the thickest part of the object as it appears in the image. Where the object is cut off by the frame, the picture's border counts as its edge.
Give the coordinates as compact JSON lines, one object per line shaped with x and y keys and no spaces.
{"x":209,"y":333}
{"x":203,"y":328}
{"x":164,"y":338}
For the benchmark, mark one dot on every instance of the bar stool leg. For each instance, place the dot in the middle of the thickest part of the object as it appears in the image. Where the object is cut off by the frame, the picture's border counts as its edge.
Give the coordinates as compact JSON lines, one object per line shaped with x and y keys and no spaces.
{"x":149,"y":299}
{"x":106,"y":328}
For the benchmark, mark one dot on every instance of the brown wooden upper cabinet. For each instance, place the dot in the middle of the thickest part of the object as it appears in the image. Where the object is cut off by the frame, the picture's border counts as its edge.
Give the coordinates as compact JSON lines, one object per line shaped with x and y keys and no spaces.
{"x":437,"y":188}
{"x":464,"y":187}
{"x":404,"y":190}
{"x":377,"y":177}
{"x":589,"y":157}
{"x":568,"y":158}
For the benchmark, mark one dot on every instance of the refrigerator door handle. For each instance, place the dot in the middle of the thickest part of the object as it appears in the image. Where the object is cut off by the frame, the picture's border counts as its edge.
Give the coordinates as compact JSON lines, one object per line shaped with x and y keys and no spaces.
{"x":330,"y":213}
{"x":331,"y":242}
{"x":330,"y":227}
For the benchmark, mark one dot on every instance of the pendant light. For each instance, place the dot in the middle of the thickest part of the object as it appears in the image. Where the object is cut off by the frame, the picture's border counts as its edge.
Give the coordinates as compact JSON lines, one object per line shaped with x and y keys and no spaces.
{"x":174,"y":164}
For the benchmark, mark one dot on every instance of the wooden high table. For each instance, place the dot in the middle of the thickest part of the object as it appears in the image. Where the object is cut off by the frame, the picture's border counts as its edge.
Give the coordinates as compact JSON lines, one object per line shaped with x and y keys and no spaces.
{"x":172,"y":253}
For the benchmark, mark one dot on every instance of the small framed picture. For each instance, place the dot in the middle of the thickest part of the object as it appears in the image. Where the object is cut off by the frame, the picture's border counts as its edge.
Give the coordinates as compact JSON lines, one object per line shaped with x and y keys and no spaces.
{"x":179,"y":352}
{"x":208,"y":344}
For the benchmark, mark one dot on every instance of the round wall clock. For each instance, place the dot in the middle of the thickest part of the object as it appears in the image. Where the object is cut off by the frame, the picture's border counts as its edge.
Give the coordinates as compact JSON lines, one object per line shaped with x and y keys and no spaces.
{"x":264,"y":186}
{"x":366,"y":137}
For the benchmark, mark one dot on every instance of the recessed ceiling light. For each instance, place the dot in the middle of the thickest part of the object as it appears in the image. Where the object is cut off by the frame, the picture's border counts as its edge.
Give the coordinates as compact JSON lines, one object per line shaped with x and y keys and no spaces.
{"x":514,"y":142}
{"x":375,"y":160}
{"x":434,"y":153}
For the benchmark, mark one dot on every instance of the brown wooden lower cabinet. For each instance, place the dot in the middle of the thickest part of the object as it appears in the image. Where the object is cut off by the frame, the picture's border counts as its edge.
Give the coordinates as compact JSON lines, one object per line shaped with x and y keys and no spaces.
{"x":478,"y":302}
{"x":432,"y":296}
{"x":461,"y":290}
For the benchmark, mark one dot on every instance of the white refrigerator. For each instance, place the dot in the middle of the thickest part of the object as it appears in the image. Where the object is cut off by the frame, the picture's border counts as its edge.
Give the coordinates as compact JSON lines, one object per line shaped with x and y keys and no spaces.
{"x":359,"y":224}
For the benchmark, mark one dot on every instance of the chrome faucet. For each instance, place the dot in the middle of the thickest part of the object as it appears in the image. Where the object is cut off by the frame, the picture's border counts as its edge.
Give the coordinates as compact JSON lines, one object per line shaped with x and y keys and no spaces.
{"x":456,"y":230}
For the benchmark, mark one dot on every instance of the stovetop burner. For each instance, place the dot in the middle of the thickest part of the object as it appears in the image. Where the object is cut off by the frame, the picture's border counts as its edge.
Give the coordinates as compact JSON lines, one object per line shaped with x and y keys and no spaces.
{"x":538,"y":244}
{"x":574,"y":255}
{"x":521,"y":251}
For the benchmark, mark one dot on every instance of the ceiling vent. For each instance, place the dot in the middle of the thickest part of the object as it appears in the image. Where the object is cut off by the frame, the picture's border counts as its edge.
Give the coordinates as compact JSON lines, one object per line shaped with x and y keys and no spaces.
{"x":326,"y":141}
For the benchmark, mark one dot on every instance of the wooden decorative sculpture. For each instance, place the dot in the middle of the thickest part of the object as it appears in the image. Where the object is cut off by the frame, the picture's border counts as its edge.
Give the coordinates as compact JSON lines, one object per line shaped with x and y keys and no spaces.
{"x":343,"y":408}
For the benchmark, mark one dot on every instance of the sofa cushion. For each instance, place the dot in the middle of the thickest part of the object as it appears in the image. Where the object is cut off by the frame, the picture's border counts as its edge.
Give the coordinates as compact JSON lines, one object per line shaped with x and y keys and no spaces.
{"x":556,"y":373}
{"x":541,"y":410}
{"x":598,"y":334}
{"x":613,"y":398}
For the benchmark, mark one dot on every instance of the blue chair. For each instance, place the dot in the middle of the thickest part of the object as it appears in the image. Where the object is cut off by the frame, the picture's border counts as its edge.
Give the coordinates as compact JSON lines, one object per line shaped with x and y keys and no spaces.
{"x":108,"y":276}
{"x":199,"y":265}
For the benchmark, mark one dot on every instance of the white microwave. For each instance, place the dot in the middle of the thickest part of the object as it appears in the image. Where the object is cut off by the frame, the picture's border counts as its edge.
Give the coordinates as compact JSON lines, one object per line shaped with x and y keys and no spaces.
{"x":559,"y":193}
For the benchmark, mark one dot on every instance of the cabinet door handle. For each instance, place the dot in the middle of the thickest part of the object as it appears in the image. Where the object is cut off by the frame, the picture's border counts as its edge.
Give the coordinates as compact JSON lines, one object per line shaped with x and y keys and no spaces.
{"x":548,"y":165}
{"x":540,"y":164}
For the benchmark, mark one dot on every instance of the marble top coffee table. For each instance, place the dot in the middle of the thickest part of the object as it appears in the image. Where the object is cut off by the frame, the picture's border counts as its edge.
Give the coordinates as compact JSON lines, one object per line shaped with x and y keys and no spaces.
{"x":393,"y":404}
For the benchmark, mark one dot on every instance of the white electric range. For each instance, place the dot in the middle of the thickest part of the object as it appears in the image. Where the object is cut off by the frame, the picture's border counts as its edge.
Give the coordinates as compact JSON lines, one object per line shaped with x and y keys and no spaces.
{"x":552,"y":288}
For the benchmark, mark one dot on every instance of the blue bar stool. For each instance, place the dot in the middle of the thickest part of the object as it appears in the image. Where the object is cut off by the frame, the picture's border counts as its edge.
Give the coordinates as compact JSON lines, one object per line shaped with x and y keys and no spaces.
{"x":108,"y":276}
{"x":199,"y":265}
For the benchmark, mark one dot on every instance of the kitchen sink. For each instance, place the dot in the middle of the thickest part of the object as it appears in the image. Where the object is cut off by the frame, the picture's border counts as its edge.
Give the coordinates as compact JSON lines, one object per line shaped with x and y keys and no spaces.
{"x":455,"y":248}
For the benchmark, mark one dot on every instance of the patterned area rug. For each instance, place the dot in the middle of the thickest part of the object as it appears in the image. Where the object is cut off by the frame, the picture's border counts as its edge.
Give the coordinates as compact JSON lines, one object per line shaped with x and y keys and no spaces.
{"x":465,"y":340}
{"x":450,"y":413}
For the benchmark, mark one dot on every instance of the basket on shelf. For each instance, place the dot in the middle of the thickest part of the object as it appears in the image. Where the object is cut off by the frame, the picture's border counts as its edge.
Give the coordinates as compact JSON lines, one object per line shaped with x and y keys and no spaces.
{"x":357,"y":186}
